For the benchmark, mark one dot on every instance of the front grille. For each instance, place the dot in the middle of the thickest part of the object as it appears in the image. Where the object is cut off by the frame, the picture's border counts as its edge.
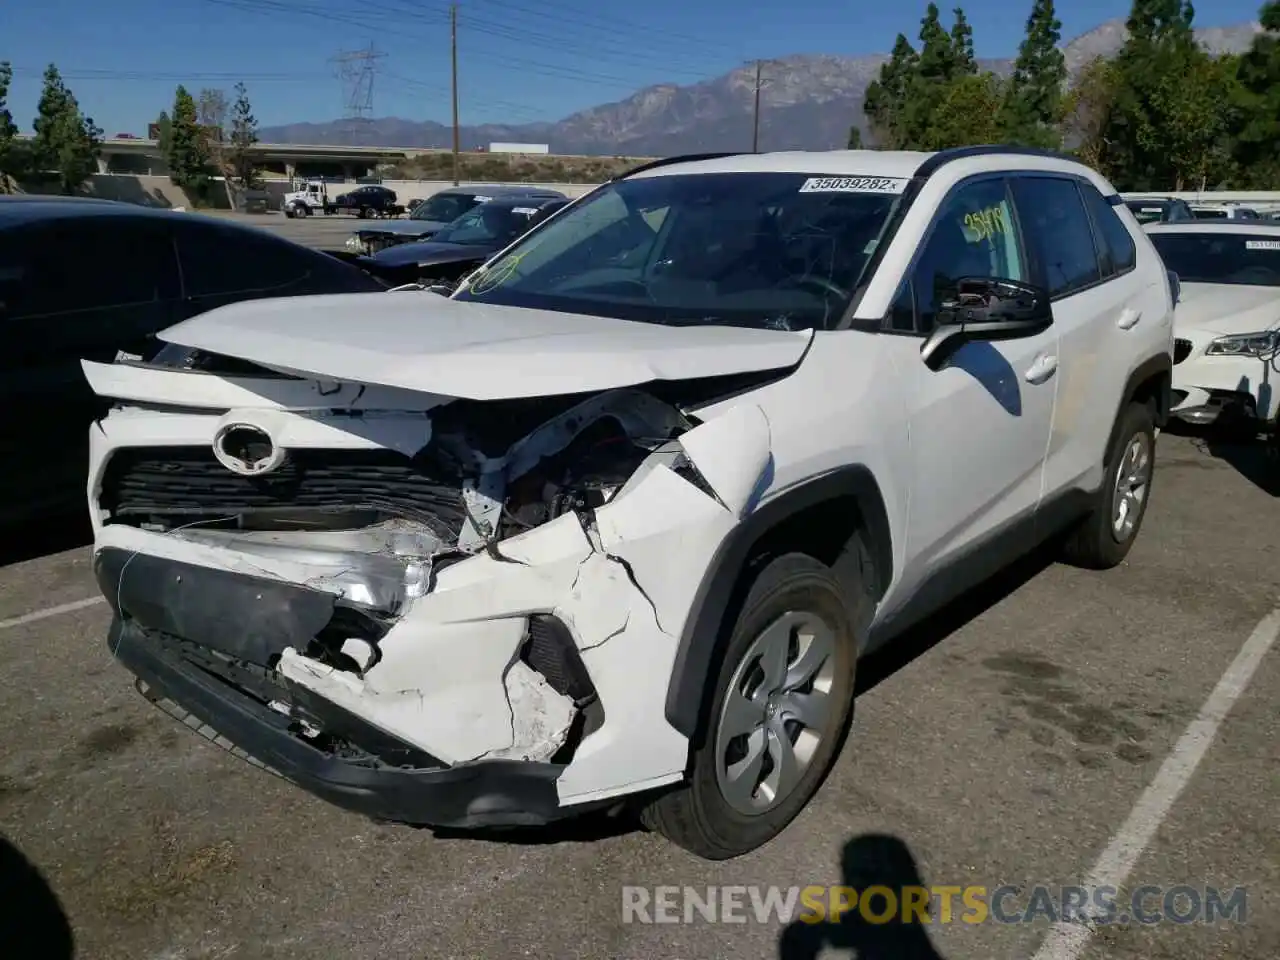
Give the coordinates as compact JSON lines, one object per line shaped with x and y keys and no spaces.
{"x":1181,"y":350}
{"x":190,"y":482}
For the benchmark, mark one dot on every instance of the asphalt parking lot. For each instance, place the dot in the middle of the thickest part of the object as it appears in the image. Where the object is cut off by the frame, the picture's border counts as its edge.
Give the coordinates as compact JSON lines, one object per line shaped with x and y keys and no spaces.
{"x":1014,"y":741}
{"x":315,"y":231}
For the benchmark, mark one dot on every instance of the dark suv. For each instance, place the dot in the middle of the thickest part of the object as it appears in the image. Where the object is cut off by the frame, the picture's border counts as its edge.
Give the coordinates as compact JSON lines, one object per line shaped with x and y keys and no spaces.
{"x":94,"y":280}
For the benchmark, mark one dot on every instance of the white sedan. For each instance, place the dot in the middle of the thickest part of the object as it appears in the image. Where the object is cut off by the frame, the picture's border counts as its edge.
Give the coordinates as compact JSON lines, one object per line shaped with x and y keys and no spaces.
{"x":1227,"y":323}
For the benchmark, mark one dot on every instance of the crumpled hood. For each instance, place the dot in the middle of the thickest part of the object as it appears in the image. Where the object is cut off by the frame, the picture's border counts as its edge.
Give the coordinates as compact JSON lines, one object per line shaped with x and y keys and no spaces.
{"x":404,"y":228}
{"x":424,"y":342}
{"x":1226,"y":308}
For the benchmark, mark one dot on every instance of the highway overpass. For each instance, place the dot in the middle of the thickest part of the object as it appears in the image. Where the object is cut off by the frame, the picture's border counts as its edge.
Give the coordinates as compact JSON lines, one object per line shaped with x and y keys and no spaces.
{"x":138,"y":156}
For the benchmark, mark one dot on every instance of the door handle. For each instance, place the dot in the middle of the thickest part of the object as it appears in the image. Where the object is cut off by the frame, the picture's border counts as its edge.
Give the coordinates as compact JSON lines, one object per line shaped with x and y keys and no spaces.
{"x":1128,"y":318}
{"x":1042,"y":369}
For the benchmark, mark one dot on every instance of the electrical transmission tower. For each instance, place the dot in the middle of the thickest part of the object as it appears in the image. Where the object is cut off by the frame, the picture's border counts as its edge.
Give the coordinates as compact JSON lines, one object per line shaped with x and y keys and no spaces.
{"x":356,"y":69}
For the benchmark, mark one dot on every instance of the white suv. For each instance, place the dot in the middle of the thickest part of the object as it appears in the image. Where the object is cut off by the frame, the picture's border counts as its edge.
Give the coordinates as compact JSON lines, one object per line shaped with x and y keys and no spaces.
{"x":618,"y":518}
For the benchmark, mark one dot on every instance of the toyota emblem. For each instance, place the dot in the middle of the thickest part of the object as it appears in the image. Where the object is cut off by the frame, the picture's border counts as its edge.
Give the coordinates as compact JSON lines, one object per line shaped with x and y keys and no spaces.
{"x":247,"y":450}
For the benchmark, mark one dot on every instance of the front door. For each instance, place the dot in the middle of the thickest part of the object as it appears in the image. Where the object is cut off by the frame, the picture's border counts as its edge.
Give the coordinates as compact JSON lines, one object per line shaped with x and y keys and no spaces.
{"x":979,"y":425}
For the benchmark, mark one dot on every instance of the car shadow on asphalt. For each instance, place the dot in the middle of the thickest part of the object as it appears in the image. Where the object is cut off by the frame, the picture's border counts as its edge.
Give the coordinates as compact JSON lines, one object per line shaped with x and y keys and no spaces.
{"x":1257,"y":460}
{"x":590,"y":827}
{"x":30,"y":541}
{"x":871,"y":860}
{"x":33,"y":925}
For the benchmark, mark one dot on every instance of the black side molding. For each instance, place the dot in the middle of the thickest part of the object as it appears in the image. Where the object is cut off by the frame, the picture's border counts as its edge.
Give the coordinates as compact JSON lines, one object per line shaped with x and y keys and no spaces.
{"x":714,"y":603}
{"x":943,"y":157}
{"x":668,"y":161}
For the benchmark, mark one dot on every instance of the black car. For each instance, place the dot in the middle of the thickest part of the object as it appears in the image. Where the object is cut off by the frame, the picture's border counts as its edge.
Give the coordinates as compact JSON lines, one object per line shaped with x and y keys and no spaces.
{"x":443,"y":208}
{"x":369,"y":200}
{"x":462,"y":245}
{"x":96,"y":280}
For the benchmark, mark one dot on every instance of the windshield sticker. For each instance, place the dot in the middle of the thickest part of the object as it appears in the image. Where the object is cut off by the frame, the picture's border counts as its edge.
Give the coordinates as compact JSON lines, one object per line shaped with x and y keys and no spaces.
{"x":1262,"y":244}
{"x":492,"y":277}
{"x":854,"y":185}
{"x":479,"y":199}
{"x":1153,"y":209}
{"x":527,"y":211}
{"x":985,"y":224}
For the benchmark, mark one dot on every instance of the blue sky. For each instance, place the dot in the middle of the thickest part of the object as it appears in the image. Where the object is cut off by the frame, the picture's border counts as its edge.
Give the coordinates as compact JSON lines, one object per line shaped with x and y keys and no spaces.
{"x":519,"y":60}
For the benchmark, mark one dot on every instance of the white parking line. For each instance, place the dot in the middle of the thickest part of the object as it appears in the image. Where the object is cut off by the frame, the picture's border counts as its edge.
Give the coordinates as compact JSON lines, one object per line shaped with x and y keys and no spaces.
{"x":48,"y":612}
{"x":1067,"y":941}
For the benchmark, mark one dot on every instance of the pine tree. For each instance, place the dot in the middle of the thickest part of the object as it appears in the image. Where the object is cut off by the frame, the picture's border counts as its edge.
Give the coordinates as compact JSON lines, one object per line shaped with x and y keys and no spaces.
{"x":1034,"y":102}
{"x":962,"y":44}
{"x":938,"y":59}
{"x":9,"y":163}
{"x":244,"y":134}
{"x":188,"y":157}
{"x":66,"y":142}
{"x":886,"y":98}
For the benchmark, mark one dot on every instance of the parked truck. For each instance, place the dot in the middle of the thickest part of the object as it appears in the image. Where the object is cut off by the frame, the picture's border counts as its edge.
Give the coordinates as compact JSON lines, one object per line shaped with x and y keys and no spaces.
{"x":367,"y":201}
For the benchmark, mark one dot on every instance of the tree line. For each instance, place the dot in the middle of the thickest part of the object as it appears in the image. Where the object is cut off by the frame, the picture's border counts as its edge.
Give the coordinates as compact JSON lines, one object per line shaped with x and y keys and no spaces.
{"x":1162,"y":114}
{"x":66,"y":142}
{"x":202,"y":139}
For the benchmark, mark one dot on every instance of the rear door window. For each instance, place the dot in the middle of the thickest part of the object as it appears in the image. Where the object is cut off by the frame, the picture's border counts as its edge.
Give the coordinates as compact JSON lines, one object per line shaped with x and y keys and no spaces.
{"x":1116,"y":249}
{"x":1059,"y":234}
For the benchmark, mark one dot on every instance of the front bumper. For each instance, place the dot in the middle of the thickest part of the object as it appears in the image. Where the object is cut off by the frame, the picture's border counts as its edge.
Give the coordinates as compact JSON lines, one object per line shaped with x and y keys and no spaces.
{"x":453,"y":682}
{"x":482,"y":794}
{"x":1209,"y":388}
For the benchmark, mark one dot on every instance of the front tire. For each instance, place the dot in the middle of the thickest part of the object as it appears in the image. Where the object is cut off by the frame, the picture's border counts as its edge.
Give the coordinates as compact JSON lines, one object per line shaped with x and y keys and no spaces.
{"x":1105,"y":537}
{"x":782,"y":704}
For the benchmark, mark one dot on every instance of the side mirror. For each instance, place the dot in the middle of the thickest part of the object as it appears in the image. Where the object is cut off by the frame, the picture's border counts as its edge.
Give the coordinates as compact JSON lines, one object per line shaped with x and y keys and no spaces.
{"x":983,"y":308}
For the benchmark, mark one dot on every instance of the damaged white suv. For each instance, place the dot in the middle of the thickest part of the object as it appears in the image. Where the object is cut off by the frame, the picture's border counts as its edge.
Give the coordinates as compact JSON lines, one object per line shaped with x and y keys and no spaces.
{"x":618,"y":518}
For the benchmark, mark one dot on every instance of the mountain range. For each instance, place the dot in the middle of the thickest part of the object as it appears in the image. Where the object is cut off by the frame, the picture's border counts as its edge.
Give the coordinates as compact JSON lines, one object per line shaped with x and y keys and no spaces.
{"x":809,"y":104}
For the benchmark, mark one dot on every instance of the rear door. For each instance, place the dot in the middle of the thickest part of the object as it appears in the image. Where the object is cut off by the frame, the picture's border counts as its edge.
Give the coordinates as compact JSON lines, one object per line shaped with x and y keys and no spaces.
{"x":1102,"y":304}
{"x":73,"y":289}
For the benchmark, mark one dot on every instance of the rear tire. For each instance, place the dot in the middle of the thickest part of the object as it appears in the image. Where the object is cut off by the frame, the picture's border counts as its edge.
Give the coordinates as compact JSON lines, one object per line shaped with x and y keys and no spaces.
{"x":1103,"y":539}
{"x":788,"y":672}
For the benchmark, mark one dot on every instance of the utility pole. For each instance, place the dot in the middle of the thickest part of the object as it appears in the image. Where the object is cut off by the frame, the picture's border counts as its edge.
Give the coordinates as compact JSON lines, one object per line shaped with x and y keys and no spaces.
{"x":755,"y":118}
{"x":453,"y":45}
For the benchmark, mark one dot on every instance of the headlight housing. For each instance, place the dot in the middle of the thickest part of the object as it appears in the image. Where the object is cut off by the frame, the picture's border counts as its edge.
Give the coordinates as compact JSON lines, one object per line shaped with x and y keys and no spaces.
{"x":1258,"y":344}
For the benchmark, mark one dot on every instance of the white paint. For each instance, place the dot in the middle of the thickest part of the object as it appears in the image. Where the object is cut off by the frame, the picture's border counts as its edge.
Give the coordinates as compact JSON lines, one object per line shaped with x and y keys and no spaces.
{"x":731,"y":452}
{"x":474,"y":350}
{"x":45,"y":614}
{"x":1067,"y":941}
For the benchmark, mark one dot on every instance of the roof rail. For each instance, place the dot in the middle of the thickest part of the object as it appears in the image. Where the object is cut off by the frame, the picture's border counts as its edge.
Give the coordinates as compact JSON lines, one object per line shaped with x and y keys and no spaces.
{"x":667,"y":161}
{"x":937,"y":160}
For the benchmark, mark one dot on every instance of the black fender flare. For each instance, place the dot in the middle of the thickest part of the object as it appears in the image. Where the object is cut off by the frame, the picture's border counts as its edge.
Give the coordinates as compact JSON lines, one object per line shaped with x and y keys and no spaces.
{"x":1160,"y":366}
{"x":704,"y":633}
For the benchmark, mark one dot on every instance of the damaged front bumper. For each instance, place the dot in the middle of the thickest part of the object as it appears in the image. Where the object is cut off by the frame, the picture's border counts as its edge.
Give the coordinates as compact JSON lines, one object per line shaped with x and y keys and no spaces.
{"x":520,"y":682}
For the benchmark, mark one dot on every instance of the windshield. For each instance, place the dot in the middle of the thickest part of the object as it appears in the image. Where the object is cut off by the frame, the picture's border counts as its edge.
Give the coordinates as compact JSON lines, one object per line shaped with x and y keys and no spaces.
{"x":444,"y":207}
{"x":1240,"y":258}
{"x":485,"y":224}
{"x":778,"y":250}
{"x":1148,"y":212}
